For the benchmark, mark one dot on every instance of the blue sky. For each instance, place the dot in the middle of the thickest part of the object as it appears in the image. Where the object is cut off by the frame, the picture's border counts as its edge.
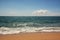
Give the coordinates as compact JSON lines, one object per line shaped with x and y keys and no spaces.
{"x":29,"y":7}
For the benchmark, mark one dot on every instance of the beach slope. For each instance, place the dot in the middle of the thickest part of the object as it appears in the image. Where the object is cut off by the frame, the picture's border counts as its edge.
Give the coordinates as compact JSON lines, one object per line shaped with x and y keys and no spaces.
{"x":32,"y":36}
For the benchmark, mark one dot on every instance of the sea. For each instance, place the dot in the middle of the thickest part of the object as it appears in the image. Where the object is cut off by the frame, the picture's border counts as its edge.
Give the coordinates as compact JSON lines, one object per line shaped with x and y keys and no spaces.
{"x":26,"y":24}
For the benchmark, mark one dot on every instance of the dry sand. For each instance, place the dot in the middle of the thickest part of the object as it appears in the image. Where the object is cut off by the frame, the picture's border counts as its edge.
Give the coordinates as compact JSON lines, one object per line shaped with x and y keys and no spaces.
{"x":31,"y":36}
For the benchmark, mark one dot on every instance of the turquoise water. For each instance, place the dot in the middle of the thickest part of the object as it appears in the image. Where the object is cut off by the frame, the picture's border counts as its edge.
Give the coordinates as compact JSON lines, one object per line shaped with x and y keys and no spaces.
{"x":17,"y":24}
{"x":32,"y":21}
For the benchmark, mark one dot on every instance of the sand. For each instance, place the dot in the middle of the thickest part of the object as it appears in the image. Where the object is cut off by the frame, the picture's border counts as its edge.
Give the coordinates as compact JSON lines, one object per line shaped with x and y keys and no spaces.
{"x":32,"y":36}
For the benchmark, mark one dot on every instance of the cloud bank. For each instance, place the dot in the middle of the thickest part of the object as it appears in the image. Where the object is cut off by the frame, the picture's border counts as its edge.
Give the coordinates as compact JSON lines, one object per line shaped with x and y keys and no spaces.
{"x":43,"y":12}
{"x":40,"y":12}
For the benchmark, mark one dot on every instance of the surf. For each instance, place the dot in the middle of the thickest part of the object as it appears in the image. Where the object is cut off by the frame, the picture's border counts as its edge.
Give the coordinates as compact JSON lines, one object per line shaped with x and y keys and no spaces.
{"x":6,"y":30}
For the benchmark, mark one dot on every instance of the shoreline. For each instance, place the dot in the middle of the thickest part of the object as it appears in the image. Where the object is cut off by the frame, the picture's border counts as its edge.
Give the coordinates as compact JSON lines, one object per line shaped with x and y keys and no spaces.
{"x":32,"y":36}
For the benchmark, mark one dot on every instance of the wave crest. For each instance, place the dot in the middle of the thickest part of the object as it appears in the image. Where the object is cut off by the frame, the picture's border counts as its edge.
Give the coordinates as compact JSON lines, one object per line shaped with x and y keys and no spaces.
{"x":6,"y":30}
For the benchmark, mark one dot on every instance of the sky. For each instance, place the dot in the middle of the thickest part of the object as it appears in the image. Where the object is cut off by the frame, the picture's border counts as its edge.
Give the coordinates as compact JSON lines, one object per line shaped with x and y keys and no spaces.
{"x":29,"y":7}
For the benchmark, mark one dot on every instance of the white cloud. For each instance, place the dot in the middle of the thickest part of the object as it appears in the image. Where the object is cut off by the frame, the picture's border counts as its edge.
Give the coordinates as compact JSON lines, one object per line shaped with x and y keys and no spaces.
{"x":40,"y":12}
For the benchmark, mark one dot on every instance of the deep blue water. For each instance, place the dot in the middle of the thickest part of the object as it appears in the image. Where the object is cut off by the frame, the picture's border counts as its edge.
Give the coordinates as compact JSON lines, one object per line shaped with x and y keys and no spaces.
{"x":30,"y":21}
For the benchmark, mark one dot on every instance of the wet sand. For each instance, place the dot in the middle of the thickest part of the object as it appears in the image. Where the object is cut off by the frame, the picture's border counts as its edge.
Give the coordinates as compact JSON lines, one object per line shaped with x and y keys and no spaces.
{"x":32,"y":36}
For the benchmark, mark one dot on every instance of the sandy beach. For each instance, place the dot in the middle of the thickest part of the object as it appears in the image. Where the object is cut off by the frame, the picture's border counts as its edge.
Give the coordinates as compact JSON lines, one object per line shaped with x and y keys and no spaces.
{"x":32,"y":36}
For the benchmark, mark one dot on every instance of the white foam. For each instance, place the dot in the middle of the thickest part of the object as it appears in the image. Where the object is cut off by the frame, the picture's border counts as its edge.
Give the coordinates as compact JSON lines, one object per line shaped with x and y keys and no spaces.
{"x":50,"y":31}
{"x":5,"y":30}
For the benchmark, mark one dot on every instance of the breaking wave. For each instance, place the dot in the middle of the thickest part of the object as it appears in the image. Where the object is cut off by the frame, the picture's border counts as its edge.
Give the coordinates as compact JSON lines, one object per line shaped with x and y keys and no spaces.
{"x":6,"y":30}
